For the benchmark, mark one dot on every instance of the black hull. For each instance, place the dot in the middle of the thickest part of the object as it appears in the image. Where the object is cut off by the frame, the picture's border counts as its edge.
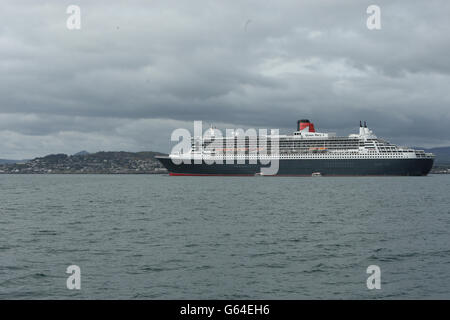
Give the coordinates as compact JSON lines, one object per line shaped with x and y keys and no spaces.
{"x":306,"y":167}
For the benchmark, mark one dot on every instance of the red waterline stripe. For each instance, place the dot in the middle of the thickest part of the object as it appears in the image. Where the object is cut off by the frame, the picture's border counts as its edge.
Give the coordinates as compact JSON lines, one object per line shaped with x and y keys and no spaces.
{"x":284,"y":175}
{"x":210,"y":174}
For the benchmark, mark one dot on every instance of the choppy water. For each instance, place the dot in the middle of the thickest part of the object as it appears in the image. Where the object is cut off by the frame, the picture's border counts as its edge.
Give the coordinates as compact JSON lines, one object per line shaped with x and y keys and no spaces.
{"x":150,"y":236}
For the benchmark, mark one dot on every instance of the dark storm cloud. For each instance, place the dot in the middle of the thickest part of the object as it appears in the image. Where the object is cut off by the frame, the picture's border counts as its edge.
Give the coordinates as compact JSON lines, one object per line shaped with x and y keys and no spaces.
{"x":138,"y":69}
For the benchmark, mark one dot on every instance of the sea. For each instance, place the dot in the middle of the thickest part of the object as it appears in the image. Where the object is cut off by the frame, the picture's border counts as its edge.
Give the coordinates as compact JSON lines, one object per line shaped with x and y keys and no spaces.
{"x":162,"y":237}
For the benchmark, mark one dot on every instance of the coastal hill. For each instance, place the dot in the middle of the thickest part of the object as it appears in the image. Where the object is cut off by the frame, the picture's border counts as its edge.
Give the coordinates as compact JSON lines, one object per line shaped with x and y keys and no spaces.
{"x":84,"y":162}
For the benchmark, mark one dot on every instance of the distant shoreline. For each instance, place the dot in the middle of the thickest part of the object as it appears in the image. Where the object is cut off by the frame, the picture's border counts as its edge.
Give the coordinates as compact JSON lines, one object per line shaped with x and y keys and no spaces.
{"x":82,"y":173}
{"x":111,"y":162}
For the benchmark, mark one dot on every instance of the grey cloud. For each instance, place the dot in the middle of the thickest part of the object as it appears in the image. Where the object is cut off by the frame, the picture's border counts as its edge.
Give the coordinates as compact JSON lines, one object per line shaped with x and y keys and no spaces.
{"x":137,"y":65}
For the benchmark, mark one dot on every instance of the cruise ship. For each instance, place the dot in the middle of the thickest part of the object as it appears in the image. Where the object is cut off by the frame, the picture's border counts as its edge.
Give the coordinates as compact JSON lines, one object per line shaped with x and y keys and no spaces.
{"x":304,"y":153}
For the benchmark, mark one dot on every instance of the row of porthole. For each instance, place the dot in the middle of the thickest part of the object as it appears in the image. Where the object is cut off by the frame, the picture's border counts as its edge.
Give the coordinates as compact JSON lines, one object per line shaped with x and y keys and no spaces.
{"x":326,"y":157}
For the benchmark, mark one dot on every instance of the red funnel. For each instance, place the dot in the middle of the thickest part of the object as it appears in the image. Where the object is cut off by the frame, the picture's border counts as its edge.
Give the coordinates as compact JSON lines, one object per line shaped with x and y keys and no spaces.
{"x":303,"y":124}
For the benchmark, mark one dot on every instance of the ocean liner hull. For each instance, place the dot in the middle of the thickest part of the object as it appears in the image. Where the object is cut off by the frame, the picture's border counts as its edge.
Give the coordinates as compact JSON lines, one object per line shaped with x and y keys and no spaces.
{"x":306,"y":167}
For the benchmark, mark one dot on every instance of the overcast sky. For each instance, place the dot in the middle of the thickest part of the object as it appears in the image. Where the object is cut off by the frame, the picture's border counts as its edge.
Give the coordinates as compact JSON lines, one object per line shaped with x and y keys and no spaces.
{"x":139,"y":69}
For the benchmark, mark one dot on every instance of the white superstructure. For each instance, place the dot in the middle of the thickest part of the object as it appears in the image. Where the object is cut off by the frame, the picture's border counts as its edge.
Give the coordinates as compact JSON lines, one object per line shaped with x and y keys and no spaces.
{"x":305,"y":143}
